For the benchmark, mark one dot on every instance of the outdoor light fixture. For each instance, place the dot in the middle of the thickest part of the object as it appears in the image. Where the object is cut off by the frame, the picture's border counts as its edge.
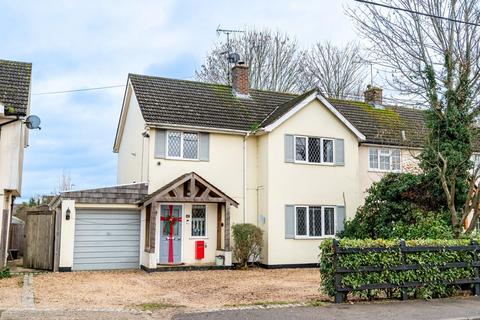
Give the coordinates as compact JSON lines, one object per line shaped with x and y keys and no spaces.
{"x":67,"y":214}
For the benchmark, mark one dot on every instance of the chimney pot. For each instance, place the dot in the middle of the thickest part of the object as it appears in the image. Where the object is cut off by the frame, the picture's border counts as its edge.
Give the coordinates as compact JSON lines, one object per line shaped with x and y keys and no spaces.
{"x":373,"y":95}
{"x":240,"y":81}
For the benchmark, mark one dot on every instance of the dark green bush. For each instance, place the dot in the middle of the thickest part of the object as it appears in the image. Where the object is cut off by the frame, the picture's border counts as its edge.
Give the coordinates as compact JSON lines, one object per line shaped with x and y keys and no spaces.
{"x":5,"y":273}
{"x":248,"y":240}
{"x":429,"y":272}
{"x":400,"y":206}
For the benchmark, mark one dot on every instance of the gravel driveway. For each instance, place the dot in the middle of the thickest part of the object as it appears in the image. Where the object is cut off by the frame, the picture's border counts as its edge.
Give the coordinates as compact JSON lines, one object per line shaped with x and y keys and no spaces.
{"x":195,"y":290}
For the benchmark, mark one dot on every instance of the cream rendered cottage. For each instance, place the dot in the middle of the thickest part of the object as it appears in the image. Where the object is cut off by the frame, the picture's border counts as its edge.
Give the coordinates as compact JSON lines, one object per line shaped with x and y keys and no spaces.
{"x":195,"y":158}
{"x":15,"y":80}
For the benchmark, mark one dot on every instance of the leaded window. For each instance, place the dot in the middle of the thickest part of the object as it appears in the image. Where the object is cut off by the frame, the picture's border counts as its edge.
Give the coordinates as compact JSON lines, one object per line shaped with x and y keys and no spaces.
{"x":182,"y":145}
{"x":384,"y":159}
{"x":314,"y":221}
{"x":199,"y":221}
{"x":314,"y":150}
{"x":301,"y":148}
{"x":327,"y":149}
{"x":301,"y":219}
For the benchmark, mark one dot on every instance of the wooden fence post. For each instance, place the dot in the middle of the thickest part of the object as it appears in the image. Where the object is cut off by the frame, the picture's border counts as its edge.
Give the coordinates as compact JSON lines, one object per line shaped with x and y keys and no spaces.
{"x":340,"y":297}
{"x":403,"y":245}
{"x":476,"y":286}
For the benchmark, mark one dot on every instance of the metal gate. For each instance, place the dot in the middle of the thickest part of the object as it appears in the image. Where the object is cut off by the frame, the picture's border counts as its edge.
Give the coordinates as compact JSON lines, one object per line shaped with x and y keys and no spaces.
{"x":106,"y":239}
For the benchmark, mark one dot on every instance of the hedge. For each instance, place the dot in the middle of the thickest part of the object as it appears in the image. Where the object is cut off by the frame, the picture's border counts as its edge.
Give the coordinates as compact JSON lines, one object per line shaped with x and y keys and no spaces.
{"x":398,"y":271}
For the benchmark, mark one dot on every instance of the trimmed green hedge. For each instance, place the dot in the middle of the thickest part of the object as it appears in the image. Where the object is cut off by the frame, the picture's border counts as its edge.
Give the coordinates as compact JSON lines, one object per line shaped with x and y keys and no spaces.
{"x":429,"y":272}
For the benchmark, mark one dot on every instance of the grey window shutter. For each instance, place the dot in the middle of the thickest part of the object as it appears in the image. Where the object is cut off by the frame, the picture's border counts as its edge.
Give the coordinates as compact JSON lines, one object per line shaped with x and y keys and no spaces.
{"x":339,"y":152}
{"x":204,"y":146}
{"x":289,"y":222}
{"x":289,"y":148}
{"x":341,"y":217}
{"x":160,"y":143}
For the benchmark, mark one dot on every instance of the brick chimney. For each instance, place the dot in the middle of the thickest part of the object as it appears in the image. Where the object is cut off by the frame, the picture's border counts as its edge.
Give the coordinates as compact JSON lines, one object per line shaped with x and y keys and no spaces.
{"x":373,"y":95}
{"x":240,"y":82}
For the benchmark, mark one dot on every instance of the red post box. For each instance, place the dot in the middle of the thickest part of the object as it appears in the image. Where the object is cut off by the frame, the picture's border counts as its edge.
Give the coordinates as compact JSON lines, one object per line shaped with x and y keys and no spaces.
{"x":199,"y":250}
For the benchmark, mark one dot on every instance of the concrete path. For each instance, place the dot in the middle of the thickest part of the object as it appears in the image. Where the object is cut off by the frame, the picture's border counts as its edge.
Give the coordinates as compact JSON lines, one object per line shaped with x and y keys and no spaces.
{"x":443,"y":309}
{"x":28,"y":294}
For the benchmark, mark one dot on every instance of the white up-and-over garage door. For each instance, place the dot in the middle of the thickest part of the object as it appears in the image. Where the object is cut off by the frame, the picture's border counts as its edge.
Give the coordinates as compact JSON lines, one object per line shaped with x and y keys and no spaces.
{"x":106,"y":239}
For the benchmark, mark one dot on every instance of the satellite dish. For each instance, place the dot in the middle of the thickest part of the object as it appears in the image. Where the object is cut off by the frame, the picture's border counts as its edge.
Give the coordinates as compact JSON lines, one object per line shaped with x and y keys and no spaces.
{"x":233,"y":57}
{"x":33,"y":122}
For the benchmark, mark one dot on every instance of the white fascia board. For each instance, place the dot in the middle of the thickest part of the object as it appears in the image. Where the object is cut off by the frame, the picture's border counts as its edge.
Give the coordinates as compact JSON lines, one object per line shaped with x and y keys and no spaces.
{"x":121,"y":121}
{"x":196,"y":128}
{"x":349,"y":125}
{"x":304,"y":103}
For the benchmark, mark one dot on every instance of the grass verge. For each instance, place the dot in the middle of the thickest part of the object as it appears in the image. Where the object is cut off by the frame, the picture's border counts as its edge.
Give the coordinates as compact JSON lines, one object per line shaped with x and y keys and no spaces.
{"x":152,"y":306}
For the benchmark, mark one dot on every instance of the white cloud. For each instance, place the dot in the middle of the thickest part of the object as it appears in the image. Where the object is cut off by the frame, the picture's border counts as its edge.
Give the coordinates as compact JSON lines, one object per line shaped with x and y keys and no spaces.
{"x":76,"y":44}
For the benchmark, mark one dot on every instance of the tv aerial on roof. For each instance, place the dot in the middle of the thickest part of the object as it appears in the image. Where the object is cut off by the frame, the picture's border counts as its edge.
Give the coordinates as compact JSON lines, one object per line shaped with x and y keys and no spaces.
{"x":232,"y":57}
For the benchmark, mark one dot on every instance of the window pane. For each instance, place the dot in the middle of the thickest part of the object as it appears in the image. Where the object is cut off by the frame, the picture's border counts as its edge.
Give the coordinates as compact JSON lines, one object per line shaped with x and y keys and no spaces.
{"x":384,"y":159}
{"x":327,"y":150}
{"x":301,"y":218}
{"x":315,"y":221}
{"x":190,"y":145}
{"x":314,"y":150}
{"x":174,"y":143}
{"x":373,"y":158}
{"x":329,"y":219}
{"x":300,"y":149}
{"x":198,"y":221}
{"x":395,"y":159}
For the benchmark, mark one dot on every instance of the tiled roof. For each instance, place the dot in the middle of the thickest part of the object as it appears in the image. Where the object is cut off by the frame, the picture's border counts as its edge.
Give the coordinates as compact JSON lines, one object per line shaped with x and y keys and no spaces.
{"x":385,"y":126}
{"x":15,"y":85}
{"x":166,"y":101}
{"x":169,"y":101}
{"x":121,"y":194}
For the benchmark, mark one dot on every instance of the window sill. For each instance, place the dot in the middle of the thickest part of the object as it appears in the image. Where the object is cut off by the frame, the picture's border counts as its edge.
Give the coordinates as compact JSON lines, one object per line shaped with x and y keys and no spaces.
{"x":313,"y":238}
{"x":326,"y":164}
{"x":384,"y":171}
{"x":198,"y":238}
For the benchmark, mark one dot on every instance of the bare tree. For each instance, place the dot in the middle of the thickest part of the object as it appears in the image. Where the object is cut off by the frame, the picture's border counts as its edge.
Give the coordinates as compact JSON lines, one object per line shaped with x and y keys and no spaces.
{"x":339,"y":72}
{"x":273,"y":58}
{"x":64,"y":183}
{"x":433,"y":49}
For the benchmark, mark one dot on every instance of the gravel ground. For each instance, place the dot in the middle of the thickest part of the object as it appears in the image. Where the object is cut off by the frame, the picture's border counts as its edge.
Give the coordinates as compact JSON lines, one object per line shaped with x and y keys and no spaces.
{"x":11,"y":292}
{"x":196,"y":290}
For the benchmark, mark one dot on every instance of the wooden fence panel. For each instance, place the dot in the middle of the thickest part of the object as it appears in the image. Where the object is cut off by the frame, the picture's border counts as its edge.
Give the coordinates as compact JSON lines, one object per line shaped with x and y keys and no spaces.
{"x":341,"y":291}
{"x":17,"y":238}
{"x":39,"y":240}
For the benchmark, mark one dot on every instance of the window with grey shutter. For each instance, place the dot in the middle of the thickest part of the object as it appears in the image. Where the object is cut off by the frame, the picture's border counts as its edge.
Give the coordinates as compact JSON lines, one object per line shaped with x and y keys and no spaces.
{"x":289,"y":222}
{"x":341,"y":217}
{"x":339,"y":152}
{"x":160,"y":144}
{"x":289,"y":148}
{"x":204,"y":154}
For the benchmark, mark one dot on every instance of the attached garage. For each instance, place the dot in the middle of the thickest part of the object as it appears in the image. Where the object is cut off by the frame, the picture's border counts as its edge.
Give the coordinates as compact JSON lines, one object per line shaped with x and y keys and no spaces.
{"x":106,"y":239}
{"x":100,"y":228}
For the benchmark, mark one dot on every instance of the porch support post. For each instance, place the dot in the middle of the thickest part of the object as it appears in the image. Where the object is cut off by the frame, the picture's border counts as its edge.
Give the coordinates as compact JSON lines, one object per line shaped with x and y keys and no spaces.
{"x":153,"y":226}
{"x":227,"y":226}
{"x":219,"y":226}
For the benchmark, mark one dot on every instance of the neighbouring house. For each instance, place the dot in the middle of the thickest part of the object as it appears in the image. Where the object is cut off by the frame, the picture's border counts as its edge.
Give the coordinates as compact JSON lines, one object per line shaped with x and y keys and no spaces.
{"x":195,"y":158}
{"x":15,"y":80}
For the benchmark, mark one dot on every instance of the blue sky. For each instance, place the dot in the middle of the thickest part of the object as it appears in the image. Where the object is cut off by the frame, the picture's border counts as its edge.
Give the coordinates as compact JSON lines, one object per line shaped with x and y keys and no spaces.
{"x":81,"y":44}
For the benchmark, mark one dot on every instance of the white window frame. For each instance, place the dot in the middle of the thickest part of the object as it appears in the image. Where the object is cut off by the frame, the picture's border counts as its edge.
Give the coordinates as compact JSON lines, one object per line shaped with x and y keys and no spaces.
{"x":323,"y":236}
{"x":181,"y":157}
{"x":206,"y":222}
{"x":379,"y":154}
{"x":306,"y":150}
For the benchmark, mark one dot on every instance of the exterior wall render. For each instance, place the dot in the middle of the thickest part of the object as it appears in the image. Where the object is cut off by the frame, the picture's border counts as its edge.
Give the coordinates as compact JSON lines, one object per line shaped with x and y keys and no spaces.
{"x":307,"y":184}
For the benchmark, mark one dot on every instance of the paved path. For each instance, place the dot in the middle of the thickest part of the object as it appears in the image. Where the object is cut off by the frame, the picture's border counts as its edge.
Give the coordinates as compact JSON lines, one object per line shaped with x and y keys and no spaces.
{"x":459,"y":308}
